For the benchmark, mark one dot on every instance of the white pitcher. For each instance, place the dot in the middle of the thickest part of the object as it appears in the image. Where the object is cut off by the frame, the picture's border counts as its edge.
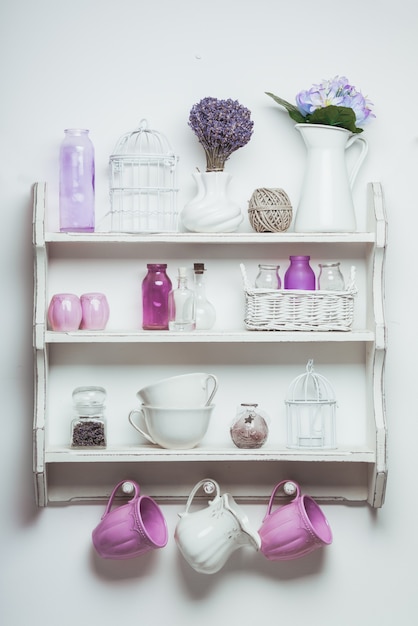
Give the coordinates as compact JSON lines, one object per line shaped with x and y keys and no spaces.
{"x":206,"y":538}
{"x":326,"y":203}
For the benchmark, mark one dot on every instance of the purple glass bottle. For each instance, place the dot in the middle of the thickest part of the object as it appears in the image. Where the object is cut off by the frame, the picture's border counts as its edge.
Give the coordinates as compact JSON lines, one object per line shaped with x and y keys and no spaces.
{"x":155,"y":289}
{"x":299,"y":274}
{"x":76,"y":193}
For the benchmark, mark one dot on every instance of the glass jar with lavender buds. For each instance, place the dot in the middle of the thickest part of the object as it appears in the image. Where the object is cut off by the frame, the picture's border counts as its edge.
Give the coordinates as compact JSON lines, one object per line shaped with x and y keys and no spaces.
{"x":88,"y":429}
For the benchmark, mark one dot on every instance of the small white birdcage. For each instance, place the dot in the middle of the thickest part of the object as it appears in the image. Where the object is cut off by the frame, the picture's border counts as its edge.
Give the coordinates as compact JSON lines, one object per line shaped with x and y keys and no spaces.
{"x":310,"y":409}
{"x":143,"y":183}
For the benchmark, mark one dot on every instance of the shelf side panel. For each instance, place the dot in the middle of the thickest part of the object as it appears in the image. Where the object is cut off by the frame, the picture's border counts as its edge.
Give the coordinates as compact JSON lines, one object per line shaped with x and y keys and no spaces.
{"x":378,"y":476}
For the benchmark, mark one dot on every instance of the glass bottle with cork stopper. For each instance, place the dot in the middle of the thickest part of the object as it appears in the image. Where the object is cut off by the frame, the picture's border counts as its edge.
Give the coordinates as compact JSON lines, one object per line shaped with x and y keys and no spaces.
{"x":205,"y":311}
{"x":88,"y":429}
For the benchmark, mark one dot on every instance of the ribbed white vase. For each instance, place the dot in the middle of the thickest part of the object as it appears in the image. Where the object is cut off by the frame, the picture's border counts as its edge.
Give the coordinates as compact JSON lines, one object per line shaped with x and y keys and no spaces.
{"x":211,"y":210}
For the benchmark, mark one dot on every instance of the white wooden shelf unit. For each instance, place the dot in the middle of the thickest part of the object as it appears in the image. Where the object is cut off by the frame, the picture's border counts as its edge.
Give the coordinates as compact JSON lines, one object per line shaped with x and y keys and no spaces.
{"x":260,"y":364}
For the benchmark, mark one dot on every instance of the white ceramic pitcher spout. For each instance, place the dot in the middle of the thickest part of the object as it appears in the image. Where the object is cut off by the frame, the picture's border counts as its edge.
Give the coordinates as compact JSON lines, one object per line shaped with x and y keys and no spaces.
{"x":326,"y":201}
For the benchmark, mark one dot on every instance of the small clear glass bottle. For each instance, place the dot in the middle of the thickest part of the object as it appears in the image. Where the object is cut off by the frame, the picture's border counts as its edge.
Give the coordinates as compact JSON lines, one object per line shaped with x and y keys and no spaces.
{"x":77,"y":181}
{"x":155,"y":289}
{"x":205,"y":311}
{"x":249,"y":428}
{"x":268,"y":277}
{"x":181,"y":305}
{"x":88,"y":429}
{"x":330,"y":277}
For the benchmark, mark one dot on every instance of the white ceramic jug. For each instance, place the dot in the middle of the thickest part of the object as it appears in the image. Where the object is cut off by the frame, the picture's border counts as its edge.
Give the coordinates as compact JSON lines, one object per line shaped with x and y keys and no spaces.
{"x":326,"y":203}
{"x":206,"y":538}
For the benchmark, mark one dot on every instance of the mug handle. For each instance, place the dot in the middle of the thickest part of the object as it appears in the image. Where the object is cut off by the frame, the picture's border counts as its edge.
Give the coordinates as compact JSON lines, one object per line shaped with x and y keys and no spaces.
{"x":215,"y":387}
{"x":282,"y":482}
{"x":112,"y":495}
{"x":143,"y":433}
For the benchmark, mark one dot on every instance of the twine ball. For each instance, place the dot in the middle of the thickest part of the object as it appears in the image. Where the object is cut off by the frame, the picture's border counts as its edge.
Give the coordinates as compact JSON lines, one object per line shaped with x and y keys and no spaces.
{"x":270,"y":210}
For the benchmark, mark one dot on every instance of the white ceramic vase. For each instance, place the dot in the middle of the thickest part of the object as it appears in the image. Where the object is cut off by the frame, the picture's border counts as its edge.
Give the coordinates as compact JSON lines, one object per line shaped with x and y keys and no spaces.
{"x":211,"y":210}
{"x":326,"y":202}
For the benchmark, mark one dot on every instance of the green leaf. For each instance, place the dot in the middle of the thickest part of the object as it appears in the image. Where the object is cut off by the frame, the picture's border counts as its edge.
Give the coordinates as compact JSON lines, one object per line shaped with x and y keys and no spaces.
{"x":293,"y":111}
{"x":332,"y":115}
{"x":297,"y":117}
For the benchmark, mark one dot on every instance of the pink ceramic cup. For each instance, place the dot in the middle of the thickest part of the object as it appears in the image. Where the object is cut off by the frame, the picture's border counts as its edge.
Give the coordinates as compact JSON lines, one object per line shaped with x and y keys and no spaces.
{"x":131,"y":529}
{"x":64,"y":312}
{"x":95,"y":310}
{"x":295,"y":529}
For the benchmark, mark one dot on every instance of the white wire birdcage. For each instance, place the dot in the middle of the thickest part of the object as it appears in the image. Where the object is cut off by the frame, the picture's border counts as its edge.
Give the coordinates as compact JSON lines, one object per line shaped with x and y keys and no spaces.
{"x":143,"y":183}
{"x":310,"y":410}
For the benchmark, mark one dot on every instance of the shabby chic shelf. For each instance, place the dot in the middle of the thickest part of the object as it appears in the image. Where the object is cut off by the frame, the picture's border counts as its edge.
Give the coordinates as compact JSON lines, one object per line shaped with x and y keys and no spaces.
{"x":123,"y":355}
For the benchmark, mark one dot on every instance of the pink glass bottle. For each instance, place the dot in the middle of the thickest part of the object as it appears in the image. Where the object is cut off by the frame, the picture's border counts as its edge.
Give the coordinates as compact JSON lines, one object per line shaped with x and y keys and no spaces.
{"x":76,"y":188}
{"x":299,"y":274}
{"x":155,"y":289}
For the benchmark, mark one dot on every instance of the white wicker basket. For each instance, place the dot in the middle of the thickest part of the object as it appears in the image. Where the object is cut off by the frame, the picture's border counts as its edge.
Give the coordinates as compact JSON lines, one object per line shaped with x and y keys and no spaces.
{"x":297,"y":309}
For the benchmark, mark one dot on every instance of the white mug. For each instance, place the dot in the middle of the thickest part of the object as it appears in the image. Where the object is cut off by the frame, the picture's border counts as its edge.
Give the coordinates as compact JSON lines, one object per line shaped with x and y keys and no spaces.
{"x":172,"y":428}
{"x":186,"y":390}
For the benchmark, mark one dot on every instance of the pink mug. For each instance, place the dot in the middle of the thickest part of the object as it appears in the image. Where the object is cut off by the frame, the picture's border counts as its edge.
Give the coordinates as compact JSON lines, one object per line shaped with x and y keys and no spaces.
{"x":131,"y":529}
{"x":295,"y":529}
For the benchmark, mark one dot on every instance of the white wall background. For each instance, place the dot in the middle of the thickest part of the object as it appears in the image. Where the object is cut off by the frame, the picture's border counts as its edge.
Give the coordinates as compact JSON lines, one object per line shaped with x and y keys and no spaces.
{"x":104,"y":65}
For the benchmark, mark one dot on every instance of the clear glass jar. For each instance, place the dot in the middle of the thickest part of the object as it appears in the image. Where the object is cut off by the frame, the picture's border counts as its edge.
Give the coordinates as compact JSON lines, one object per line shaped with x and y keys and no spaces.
{"x":249,"y":428}
{"x":330,"y":277}
{"x":88,"y":429}
{"x":155,"y":289}
{"x":268,"y":277}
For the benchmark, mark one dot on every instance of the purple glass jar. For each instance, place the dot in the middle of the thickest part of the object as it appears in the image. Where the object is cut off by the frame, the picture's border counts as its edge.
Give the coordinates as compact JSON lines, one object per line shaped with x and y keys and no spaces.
{"x":299,"y":274}
{"x":76,"y":194}
{"x":155,"y":289}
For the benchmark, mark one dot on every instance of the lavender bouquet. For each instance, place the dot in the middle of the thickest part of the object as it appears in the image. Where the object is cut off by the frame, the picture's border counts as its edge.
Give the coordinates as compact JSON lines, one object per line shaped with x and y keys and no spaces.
{"x":333,"y":102}
{"x":221,"y":126}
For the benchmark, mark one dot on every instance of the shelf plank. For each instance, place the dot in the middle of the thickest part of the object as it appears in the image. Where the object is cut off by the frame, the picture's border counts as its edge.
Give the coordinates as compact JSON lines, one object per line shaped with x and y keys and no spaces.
{"x":208,"y":337}
{"x":212,"y":238}
{"x":148,"y":453}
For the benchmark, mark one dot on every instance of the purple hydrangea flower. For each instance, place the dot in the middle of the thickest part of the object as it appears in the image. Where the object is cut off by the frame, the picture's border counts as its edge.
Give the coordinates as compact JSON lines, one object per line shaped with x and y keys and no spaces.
{"x":333,"y":102}
{"x":221,"y":126}
{"x":337,"y":92}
